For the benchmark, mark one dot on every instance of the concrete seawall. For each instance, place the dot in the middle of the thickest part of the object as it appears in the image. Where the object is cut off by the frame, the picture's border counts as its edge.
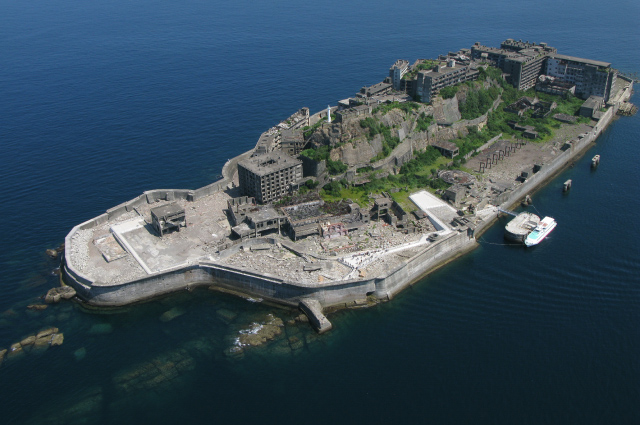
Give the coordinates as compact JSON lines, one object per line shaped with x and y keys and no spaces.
{"x":275,"y":289}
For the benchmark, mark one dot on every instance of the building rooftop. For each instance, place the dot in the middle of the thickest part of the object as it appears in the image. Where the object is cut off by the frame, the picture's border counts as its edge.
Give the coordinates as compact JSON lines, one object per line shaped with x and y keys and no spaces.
{"x":442,"y":71}
{"x":263,"y":214}
{"x":446,"y":145}
{"x":593,"y":102}
{"x":268,"y":163}
{"x":167,"y":210}
{"x":581,"y":60}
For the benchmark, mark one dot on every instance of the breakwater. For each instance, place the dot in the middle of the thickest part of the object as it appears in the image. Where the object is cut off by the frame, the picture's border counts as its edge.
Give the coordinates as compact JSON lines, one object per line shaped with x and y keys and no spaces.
{"x":289,"y":293}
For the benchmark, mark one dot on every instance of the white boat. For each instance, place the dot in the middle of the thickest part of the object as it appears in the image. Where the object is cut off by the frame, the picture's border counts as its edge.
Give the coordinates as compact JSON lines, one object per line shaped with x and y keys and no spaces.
{"x":541,"y":231}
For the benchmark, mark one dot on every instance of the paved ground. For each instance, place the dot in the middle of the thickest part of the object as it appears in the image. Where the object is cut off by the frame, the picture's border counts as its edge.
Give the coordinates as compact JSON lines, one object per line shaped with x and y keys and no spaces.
{"x":506,"y":171}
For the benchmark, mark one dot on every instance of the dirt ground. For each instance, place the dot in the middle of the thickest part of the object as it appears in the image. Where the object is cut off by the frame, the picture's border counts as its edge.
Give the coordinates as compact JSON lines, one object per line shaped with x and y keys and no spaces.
{"x":507,"y":170}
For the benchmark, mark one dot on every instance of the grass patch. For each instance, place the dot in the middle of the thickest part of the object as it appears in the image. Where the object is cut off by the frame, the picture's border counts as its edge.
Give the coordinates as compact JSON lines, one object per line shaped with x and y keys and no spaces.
{"x":402,"y":198}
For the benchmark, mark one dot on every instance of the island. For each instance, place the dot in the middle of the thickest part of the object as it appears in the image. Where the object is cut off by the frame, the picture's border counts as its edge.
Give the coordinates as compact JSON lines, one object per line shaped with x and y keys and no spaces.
{"x":350,"y":205}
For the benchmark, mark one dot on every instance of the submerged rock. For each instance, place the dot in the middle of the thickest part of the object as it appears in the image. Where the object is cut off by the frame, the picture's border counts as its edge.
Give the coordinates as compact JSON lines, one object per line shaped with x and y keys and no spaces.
{"x":159,"y":373}
{"x":3,"y":353}
{"x":15,"y":351}
{"x":9,"y":313}
{"x":234,"y":351}
{"x":101,"y":329}
{"x":296,"y":343}
{"x":52,"y":253}
{"x":226,"y":316}
{"x":37,"y":307}
{"x":42,"y":344}
{"x":80,"y":353}
{"x":281,"y":348}
{"x":86,"y":407}
{"x":172,"y":314}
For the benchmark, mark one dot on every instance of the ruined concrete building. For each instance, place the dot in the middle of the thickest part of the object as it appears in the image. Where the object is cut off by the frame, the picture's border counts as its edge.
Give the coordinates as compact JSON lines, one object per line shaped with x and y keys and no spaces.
{"x":429,"y":83}
{"x":286,"y":136}
{"x":270,"y":176}
{"x":168,"y":217}
{"x":250,"y":220}
{"x":387,"y":209}
{"x":591,"y":77}
{"x":308,"y":219}
{"x":292,"y":141}
{"x":397,"y":71}
{"x":523,"y":62}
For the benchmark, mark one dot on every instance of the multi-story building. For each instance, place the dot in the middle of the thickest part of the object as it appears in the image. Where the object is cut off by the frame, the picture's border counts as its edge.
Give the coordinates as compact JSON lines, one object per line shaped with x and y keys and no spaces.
{"x":429,"y":83}
{"x":397,"y":71}
{"x":292,"y":141}
{"x":523,"y":62}
{"x":270,"y":176}
{"x":591,"y":77}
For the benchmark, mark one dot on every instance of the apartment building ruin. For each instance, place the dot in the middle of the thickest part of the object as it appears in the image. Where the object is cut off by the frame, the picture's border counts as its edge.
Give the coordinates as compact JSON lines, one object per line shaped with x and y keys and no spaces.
{"x":269,"y":177}
{"x":524,"y":63}
{"x":590,"y":77}
{"x":429,"y":83}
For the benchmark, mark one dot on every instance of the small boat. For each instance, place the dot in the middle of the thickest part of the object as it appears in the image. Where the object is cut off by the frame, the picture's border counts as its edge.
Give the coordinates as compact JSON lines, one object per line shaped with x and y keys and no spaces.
{"x":541,"y":231}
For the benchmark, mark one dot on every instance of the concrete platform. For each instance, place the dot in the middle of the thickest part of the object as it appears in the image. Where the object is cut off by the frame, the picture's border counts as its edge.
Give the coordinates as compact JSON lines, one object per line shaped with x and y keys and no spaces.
{"x":155,"y":253}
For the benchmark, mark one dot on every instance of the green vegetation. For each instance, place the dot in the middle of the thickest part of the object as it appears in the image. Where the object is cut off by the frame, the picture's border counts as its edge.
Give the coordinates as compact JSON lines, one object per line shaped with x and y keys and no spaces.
{"x":308,"y":131}
{"x":449,"y":92}
{"x":498,"y":120}
{"x":421,"y":171}
{"x":489,"y":72}
{"x":423,"y":122}
{"x":308,"y":186}
{"x":418,"y":173}
{"x":421,"y":161}
{"x":478,"y":102}
{"x":336,"y":167}
{"x":472,"y":141}
{"x":322,"y":153}
{"x":427,"y":64}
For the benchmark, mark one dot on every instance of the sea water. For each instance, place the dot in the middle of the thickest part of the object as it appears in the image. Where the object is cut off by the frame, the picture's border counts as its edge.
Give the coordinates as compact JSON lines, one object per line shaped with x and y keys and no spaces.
{"x":104,"y":100}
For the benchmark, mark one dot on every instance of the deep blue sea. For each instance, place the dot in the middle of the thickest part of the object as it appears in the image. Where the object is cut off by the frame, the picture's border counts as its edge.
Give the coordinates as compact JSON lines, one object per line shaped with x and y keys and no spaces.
{"x":102,"y":100}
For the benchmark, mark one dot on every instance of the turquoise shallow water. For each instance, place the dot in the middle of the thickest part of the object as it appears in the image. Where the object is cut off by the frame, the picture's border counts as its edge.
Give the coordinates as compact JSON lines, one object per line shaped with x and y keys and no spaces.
{"x":105,"y":100}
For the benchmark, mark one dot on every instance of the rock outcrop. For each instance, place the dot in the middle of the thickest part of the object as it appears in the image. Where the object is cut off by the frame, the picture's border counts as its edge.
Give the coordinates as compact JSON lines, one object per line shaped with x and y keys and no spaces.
{"x":59,"y":293}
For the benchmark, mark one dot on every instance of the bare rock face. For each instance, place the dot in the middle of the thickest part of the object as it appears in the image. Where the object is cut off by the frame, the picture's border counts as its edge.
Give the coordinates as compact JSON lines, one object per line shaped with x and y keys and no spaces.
{"x":394,"y":118}
{"x":446,"y":111}
{"x":57,"y":339}
{"x":59,"y":293}
{"x":357,"y":153}
{"x":28,"y":341}
{"x":46,"y":332}
{"x":259,"y":333}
